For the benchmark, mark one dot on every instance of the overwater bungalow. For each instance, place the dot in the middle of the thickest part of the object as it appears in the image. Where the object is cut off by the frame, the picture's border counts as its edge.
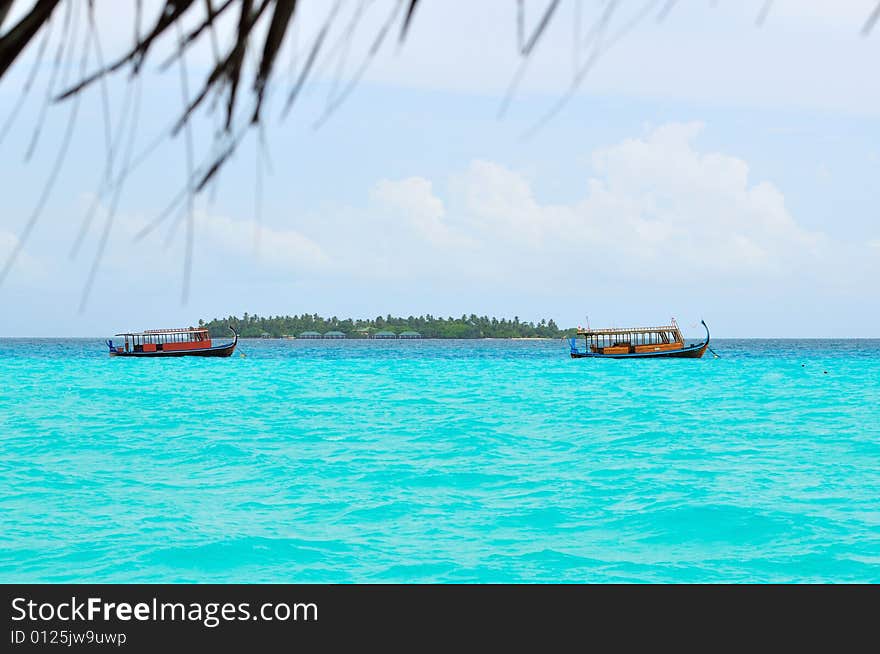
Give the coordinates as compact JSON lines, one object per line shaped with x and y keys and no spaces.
{"x":334,"y":334}
{"x":310,"y":335}
{"x":386,"y":333}
{"x":409,"y":334}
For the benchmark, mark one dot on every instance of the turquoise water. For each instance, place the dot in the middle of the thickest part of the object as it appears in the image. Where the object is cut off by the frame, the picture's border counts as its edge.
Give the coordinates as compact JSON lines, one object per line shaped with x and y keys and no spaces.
{"x":437,"y":461}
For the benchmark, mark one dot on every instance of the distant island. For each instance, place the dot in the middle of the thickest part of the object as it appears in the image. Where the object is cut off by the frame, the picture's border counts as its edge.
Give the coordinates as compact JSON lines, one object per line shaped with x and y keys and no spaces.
{"x":428,"y":326}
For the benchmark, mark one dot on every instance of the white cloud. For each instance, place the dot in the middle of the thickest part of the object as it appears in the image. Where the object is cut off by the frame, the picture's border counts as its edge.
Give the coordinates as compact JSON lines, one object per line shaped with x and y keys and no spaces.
{"x":223,"y":248}
{"x":284,"y":249}
{"x":413,"y":200}
{"x":26,"y":268}
{"x":654,"y":210}
{"x":656,"y":203}
{"x":698,"y":209}
{"x":498,"y":203}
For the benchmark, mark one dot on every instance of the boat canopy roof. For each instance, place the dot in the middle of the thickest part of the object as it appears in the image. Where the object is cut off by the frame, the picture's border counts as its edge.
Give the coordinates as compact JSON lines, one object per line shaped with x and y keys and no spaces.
{"x":153,"y":332}
{"x":626,"y":330}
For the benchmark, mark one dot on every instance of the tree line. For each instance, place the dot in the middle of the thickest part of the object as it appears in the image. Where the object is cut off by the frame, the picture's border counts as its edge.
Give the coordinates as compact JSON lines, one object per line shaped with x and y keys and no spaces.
{"x":428,"y":326}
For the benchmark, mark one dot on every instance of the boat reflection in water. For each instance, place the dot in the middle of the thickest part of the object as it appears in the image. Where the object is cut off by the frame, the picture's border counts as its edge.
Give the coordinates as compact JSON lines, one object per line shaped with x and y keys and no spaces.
{"x":637,"y":343}
{"x":171,"y":343}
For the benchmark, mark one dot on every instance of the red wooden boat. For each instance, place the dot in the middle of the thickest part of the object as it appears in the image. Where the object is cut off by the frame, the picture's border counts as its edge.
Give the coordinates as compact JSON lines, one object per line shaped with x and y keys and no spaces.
{"x":637,"y":343}
{"x":171,"y":343}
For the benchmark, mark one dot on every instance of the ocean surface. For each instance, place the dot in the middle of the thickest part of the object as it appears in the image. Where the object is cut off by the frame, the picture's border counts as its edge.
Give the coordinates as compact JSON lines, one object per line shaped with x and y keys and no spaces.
{"x":440,"y":461}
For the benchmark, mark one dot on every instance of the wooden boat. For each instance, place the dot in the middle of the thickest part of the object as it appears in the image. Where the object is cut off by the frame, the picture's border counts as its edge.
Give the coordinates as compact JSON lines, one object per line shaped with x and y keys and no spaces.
{"x":171,"y":343}
{"x":637,"y":343}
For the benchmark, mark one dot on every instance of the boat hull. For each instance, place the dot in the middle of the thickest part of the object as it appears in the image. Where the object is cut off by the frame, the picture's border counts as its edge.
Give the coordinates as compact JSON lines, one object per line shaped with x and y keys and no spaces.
{"x":218,"y":351}
{"x":685,"y":353}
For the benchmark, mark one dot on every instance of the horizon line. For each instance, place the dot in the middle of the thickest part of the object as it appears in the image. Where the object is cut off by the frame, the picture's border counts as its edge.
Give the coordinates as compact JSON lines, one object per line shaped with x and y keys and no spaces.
{"x":496,"y":338}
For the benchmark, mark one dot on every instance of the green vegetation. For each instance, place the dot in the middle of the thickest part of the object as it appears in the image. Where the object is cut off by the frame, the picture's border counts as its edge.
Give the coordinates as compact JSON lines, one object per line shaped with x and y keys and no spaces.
{"x":428,"y":326}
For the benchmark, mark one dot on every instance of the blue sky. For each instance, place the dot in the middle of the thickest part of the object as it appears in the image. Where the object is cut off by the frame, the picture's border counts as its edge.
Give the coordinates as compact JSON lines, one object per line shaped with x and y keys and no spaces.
{"x":705,"y":167}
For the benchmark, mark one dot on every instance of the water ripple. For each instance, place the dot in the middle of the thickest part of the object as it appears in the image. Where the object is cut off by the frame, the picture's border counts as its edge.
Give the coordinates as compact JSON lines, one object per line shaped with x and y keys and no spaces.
{"x":439,"y":461}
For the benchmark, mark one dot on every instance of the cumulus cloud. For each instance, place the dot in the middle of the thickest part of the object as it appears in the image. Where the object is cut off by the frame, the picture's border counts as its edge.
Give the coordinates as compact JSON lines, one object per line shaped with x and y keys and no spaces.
{"x":655,"y":200}
{"x":657,"y":211}
{"x":698,"y":208}
{"x":413,"y":200}
{"x":656,"y":204}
